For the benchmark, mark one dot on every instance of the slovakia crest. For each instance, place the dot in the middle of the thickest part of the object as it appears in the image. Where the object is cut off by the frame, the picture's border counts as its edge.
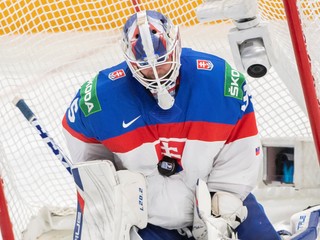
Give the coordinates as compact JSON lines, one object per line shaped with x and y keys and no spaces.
{"x":204,"y":65}
{"x":117,"y":74}
{"x":257,"y":151}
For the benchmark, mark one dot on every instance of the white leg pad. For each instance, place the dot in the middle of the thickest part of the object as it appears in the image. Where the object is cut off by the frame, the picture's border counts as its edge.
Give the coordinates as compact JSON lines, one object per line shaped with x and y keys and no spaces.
{"x":109,"y":202}
{"x":303,"y":220}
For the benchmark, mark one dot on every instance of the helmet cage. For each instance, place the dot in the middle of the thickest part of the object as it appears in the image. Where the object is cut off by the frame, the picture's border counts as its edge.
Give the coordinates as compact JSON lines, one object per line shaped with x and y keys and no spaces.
{"x":167,"y":81}
{"x":139,"y":60}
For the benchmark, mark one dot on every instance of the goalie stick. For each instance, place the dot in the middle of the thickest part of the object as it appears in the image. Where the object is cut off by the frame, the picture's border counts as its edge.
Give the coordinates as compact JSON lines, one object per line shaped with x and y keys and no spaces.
{"x":124,"y":185}
{"x":32,"y":119}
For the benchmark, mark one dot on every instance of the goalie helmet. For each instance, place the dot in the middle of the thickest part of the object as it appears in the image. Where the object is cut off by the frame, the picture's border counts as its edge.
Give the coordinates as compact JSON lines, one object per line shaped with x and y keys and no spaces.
{"x":151,"y":40}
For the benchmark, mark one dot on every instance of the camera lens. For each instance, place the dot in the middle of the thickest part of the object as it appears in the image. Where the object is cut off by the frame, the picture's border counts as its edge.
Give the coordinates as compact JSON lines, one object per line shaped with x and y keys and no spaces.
{"x":257,"y":70}
{"x":254,"y":57}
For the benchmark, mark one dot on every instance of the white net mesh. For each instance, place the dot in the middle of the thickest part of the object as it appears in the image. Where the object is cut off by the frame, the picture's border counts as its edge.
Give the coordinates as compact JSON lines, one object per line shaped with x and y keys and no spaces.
{"x":49,"y":48}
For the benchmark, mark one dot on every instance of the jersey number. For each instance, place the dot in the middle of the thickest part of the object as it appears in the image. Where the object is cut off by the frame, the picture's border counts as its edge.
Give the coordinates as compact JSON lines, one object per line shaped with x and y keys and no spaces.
{"x":72,"y":110}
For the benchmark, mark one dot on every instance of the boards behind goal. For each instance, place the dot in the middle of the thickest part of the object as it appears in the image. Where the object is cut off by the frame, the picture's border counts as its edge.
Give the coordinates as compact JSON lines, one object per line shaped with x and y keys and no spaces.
{"x":49,"y":48}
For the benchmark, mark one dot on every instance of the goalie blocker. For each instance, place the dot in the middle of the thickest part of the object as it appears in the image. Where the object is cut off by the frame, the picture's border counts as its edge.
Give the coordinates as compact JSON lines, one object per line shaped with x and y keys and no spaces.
{"x":111,"y":204}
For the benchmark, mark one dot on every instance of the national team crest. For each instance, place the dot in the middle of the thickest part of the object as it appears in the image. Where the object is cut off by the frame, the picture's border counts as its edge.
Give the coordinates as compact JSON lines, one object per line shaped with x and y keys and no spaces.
{"x":117,"y":74}
{"x":204,"y":65}
{"x":257,"y":151}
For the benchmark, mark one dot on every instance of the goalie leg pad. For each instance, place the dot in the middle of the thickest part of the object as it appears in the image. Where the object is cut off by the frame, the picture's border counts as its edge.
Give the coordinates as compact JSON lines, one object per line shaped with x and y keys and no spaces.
{"x":306,"y":224}
{"x":109,"y":202}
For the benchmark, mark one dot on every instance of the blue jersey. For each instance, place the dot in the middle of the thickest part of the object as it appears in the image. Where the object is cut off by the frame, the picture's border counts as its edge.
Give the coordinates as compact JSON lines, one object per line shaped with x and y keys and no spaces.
{"x":210,"y":130}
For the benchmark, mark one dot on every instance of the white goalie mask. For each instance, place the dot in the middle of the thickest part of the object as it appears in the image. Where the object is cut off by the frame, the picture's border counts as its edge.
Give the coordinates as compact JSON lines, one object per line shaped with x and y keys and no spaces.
{"x":151,"y":41}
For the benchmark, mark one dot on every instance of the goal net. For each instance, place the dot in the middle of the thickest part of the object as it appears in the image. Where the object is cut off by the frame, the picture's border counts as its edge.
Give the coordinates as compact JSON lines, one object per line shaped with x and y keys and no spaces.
{"x":48,"y":49}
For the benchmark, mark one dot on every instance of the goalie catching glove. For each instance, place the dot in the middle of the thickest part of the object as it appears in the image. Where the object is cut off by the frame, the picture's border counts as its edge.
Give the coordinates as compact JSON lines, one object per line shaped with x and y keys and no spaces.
{"x":216,"y":218}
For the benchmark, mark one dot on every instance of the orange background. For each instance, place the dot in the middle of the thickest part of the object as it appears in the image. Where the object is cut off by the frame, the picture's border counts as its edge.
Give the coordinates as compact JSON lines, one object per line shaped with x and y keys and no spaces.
{"x":32,"y":16}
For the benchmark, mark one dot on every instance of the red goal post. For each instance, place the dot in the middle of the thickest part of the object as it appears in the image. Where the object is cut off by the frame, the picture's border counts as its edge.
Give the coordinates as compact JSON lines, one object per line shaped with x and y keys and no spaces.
{"x":5,"y":222}
{"x":305,"y":68}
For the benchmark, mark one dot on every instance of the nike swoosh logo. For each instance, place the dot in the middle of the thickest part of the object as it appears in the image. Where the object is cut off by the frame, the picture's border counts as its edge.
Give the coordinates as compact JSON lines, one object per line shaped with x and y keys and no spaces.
{"x":125,"y":125}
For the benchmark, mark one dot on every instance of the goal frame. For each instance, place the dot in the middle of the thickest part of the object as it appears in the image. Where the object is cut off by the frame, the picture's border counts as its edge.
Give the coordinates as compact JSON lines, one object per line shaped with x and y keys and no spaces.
{"x":5,"y":222}
{"x":307,"y":83}
{"x":304,"y":68}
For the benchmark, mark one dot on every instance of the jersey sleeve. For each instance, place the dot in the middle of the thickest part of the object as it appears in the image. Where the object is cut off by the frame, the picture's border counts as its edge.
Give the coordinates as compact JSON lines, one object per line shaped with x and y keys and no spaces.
{"x":236,"y":167}
{"x":80,"y":136}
